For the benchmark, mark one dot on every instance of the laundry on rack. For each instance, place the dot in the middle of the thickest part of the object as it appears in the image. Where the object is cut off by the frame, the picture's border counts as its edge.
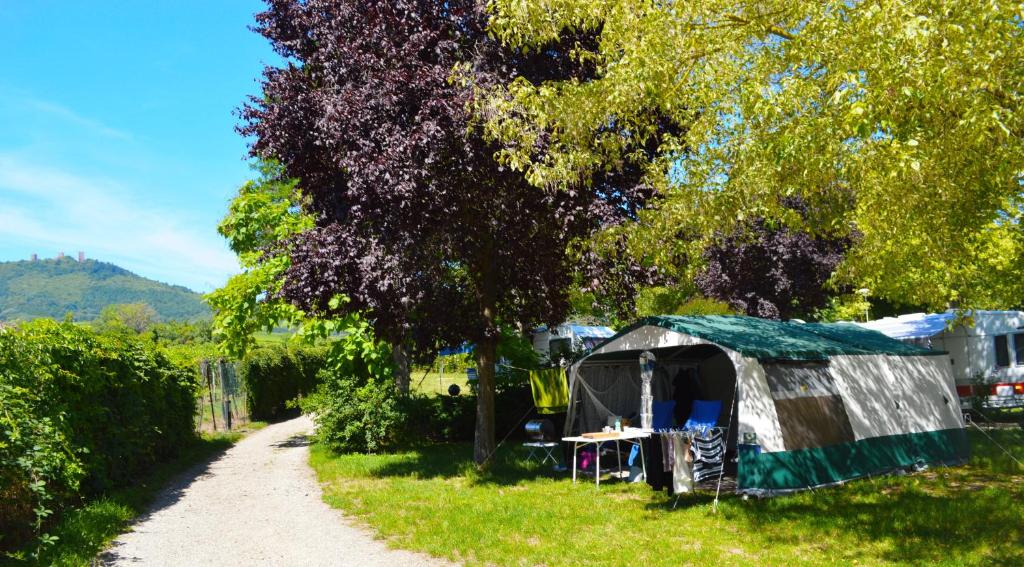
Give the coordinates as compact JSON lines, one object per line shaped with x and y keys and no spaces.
{"x":667,"y":453}
{"x":550,"y":390}
{"x":708,"y":455}
{"x":682,"y":476}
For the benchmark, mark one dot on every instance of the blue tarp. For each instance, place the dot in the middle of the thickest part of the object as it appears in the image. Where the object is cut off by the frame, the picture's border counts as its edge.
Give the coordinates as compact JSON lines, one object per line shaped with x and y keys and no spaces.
{"x":584,"y":330}
{"x":464,"y":348}
{"x":913,"y":326}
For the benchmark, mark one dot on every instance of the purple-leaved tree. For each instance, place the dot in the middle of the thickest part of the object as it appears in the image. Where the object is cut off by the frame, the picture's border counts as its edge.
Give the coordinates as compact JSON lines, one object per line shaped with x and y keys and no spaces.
{"x":776,"y":273}
{"x":417,"y":225}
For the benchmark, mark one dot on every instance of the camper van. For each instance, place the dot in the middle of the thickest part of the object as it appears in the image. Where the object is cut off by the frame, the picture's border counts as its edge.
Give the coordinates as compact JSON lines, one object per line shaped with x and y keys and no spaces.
{"x":561,"y":342}
{"x":987,"y":357}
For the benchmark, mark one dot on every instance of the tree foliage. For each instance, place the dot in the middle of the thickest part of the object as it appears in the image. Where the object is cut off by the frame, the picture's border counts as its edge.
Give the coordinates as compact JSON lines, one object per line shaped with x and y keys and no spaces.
{"x":416,"y":224}
{"x":898,"y":119}
{"x":134,"y":317}
{"x":776,"y":273}
{"x":260,"y":220}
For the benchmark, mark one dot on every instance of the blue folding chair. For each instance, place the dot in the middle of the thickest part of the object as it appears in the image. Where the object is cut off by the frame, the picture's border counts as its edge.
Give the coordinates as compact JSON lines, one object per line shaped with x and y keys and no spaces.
{"x":703,"y":415}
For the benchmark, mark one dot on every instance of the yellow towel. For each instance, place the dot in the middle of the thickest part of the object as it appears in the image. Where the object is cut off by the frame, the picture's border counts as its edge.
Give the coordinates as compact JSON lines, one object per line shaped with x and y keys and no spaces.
{"x":550,"y":390}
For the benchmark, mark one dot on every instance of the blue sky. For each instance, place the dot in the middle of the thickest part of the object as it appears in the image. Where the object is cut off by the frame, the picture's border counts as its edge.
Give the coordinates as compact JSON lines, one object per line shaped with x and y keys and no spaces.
{"x":117,"y":131}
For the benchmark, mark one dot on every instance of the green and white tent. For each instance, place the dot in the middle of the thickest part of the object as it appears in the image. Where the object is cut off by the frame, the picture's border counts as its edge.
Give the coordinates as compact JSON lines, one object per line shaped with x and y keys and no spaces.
{"x":811,"y":404}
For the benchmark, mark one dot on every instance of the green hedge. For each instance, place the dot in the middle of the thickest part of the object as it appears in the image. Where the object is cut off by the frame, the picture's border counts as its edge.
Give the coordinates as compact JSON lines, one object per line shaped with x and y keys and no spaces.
{"x":357,"y":408}
{"x":275,"y":375}
{"x":438,"y":417}
{"x":82,"y":413}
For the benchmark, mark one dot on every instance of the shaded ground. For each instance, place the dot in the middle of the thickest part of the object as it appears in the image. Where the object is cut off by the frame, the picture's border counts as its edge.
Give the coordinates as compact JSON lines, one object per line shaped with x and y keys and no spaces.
{"x":432,"y":499}
{"x":258,"y":504}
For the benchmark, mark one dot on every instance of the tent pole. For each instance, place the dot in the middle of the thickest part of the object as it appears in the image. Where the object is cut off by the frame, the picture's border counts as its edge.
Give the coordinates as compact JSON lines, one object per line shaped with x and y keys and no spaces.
{"x":721,"y":473}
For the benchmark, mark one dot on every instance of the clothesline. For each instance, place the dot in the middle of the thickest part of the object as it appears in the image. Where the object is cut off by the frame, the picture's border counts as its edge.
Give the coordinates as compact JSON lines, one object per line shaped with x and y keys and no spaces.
{"x":515,"y":367}
{"x":691,"y":431}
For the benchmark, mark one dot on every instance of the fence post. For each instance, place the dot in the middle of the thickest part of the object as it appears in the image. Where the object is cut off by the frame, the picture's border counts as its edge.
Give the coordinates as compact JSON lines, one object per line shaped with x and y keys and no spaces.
{"x":225,"y":396}
{"x":209,"y":384}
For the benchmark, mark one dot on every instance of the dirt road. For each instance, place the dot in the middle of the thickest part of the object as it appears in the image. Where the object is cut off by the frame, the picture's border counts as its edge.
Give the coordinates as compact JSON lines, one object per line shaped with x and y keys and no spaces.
{"x":258,"y":504}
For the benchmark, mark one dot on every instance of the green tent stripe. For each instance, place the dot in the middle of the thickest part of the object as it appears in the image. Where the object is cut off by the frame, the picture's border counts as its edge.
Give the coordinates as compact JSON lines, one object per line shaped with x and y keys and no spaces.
{"x":788,"y":470}
{"x":766,"y":339}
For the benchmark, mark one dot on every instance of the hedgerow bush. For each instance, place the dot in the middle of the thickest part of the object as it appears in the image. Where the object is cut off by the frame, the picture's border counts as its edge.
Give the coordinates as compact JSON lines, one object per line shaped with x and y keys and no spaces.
{"x":438,"y":417}
{"x":274,"y":376}
{"x":82,"y":413}
{"x":356,"y":406}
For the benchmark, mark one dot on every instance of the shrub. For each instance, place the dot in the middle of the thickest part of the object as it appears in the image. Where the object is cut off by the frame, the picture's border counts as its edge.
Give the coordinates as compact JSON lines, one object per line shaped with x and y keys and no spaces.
{"x":356,"y":406}
{"x":276,"y":375}
{"x":82,"y":413}
{"x":438,"y":417}
{"x":441,"y":418}
{"x":357,"y":414}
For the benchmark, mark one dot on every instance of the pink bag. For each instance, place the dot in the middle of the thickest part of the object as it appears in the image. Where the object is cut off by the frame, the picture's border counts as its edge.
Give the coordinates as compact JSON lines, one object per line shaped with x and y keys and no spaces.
{"x":586,"y":459}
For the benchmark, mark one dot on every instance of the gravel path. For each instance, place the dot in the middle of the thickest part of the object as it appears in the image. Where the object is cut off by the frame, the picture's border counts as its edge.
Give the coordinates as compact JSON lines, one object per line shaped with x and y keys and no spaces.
{"x":258,"y":504}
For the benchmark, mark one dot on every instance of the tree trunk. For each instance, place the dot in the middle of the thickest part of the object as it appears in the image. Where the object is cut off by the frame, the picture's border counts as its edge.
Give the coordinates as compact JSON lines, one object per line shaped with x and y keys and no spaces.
{"x":486,"y":357}
{"x":483,"y":441}
{"x":401,"y":360}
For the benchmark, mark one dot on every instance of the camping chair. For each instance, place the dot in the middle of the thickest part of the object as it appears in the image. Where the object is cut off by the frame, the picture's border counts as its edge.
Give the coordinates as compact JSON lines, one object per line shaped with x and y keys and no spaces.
{"x":708,"y":446}
{"x":703,"y":415}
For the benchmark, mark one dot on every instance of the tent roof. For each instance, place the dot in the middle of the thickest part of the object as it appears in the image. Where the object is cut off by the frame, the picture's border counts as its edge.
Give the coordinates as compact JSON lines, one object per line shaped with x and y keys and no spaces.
{"x":766,"y":339}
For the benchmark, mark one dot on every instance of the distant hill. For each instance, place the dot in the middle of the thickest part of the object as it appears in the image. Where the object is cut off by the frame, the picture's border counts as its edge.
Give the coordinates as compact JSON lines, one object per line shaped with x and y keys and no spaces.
{"x":51,"y":288}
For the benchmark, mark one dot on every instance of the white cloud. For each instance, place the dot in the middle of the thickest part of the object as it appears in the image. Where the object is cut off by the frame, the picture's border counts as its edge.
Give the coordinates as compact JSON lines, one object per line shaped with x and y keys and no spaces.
{"x":47,"y":209}
{"x":68,"y":115}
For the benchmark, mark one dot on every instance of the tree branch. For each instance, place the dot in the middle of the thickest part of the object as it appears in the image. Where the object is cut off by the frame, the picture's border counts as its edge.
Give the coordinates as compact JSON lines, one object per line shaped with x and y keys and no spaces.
{"x":772,"y":29}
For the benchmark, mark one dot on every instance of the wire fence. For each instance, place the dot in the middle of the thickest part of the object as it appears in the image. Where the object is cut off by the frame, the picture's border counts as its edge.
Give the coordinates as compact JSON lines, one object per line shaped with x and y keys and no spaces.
{"x":223,"y":405}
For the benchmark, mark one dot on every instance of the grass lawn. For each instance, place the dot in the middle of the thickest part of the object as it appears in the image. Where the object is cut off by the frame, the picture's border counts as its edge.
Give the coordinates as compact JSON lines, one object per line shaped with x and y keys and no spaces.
{"x":85,"y":531}
{"x":434,"y":383}
{"x":433,"y":500}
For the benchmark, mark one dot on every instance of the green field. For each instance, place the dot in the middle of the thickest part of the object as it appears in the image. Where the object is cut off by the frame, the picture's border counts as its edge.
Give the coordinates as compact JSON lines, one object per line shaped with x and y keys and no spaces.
{"x":432,"y":382}
{"x":433,"y":500}
{"x":264,"y":338}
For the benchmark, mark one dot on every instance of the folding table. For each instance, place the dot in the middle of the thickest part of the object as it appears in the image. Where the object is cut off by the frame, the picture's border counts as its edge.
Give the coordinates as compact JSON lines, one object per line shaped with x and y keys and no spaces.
{"x":630,"y":435}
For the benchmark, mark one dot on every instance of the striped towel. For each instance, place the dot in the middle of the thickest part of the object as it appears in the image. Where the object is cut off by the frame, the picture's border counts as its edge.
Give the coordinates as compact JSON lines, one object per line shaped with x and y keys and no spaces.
{"x":708,"y":455}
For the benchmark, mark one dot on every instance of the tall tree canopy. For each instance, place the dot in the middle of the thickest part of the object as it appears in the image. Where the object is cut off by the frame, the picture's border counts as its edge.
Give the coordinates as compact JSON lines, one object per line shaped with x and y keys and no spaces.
{"x":898,"y":119}
{"x":416,"y":223}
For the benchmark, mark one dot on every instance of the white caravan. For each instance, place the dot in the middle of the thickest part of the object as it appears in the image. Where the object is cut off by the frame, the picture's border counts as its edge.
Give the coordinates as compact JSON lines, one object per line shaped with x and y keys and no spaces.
{"x":552,"y":343}
{"x":987,"y":357}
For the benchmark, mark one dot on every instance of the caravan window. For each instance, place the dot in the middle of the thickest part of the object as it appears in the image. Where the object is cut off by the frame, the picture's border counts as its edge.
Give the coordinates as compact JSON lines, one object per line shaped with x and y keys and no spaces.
{"x":1002,"y":351}
{"x":1018,"y":348}
{"x":558,"y":348}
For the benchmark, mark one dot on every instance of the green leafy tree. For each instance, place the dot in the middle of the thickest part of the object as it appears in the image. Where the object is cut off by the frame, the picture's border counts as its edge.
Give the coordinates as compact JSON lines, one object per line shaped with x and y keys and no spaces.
{"x":259,"y":226}
{"x":898,"y":119}
{"x":181,"y":332}
{"x":134,"y":317}
{"x":260,"y":220}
